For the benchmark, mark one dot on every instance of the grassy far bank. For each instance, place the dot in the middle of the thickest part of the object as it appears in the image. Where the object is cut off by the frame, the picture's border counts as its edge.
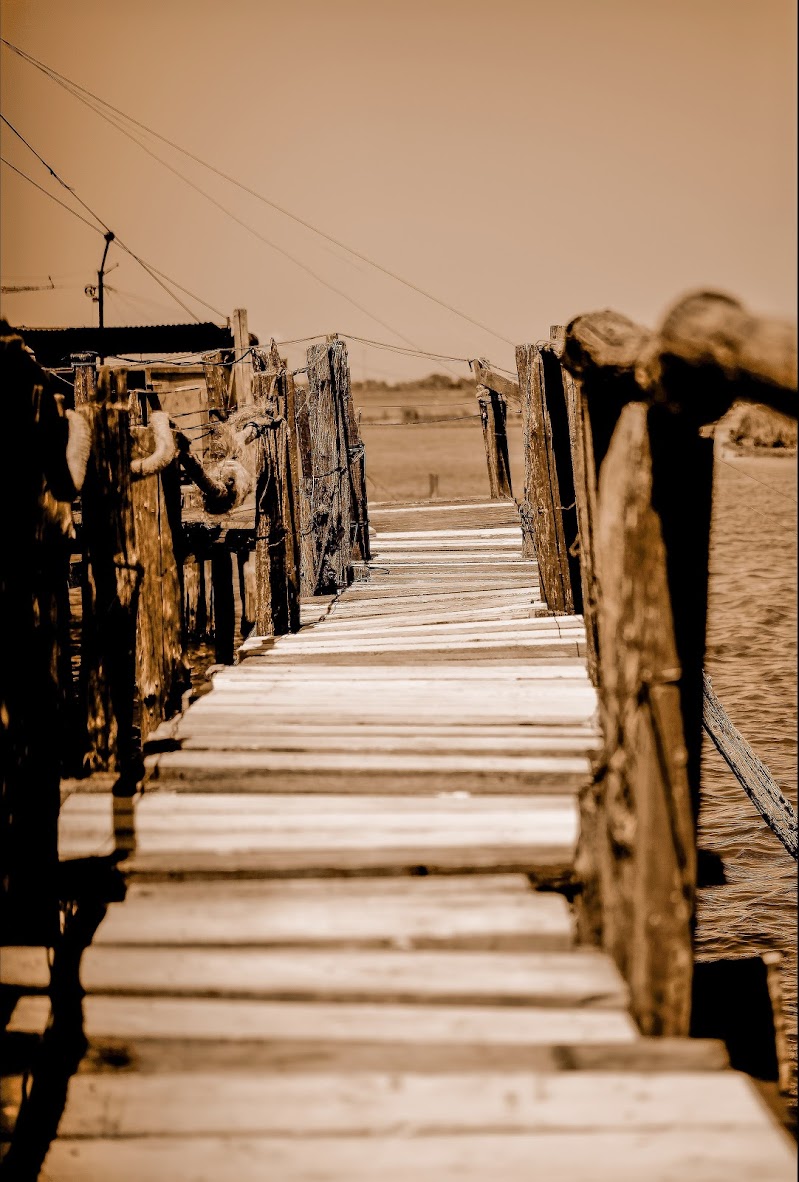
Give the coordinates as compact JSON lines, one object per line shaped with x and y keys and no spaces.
{"x":423,"y":436}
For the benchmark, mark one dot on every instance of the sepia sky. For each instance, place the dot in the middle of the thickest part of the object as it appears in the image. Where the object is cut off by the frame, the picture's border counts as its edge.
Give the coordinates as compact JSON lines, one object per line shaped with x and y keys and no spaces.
{"x":523,"y":161}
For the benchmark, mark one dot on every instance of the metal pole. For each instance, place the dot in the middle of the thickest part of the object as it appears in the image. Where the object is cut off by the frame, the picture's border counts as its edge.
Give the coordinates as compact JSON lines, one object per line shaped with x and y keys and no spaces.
{"x":109,"y":238}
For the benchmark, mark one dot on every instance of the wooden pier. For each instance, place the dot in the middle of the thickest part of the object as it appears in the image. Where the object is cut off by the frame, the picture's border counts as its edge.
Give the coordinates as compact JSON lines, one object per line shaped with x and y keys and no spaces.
{"x":410,"y":891}
{"x":332,"y":960}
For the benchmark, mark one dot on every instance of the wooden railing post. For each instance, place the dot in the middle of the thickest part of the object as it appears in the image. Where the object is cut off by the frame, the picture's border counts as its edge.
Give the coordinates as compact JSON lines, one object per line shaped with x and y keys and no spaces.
{"x":491,"y":399}
{"x":352,"y":447}
{"x":541,"y":510}
{"x":111,"y":582}
{"x":330,"y":511}
{"x":277,"y":590}
{"x":242,"y":363}
{"x":644,"y":397}
{"x":218,"y":380}
{"x":584,"y":479}
{"x":161,"y":674}
{"x":85,"y":375}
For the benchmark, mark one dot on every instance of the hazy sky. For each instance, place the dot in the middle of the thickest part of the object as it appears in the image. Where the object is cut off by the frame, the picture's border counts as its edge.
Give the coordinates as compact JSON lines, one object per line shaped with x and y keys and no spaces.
{"x":524,"y":161}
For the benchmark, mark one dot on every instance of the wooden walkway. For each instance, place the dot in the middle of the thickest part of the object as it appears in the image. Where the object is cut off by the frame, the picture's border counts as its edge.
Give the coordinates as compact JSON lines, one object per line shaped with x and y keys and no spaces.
{"x":332,"y":962}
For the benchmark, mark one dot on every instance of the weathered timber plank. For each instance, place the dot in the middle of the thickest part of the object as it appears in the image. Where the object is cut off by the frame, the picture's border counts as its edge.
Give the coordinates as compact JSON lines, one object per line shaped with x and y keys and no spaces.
{"x":583,"y":978}
{"x":270,"y":672}
{"x":201,"y":764}
{"x":314,"y":1104}
{"x":494,"y":912}
{"x":123,"y":1017}
{"x":698,"y":1155}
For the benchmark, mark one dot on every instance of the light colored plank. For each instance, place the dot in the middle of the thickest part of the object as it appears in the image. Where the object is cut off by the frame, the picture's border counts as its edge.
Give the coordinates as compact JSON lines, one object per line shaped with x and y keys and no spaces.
{"x":267,"y":834}
{"x":492,"y":912}
{"x":226,"y":737}
{"x":266,"y":669}
{"x":374,"y":1104}
{"x":530,"y":769}
{"x":699,"y":1155}
{"x":125,"y":1017}
{"x":584,"y":978}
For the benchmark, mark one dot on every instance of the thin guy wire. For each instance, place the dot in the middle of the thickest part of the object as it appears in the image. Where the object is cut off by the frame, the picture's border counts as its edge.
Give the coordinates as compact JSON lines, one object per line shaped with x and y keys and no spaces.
{"x":67,"y":82}
{"x":97,"y":218}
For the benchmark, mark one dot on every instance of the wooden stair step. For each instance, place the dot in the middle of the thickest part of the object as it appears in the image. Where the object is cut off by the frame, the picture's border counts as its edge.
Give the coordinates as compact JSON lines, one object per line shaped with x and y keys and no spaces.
{"x":265,"y":834}
{"x":336,"y":1022}
{"x":582,"y":978}
{"x":489,"y":912}
{"x":701,"y":1155}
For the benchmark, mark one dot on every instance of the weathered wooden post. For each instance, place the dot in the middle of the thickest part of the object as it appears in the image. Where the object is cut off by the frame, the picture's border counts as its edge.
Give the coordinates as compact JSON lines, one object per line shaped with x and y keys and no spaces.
{"x":541,"y":510}
{"x":111,"y":582}
{"x":352,"y":447}
{"x":161,"y":674}
{"x":35,"y":683}
{"x":85,"y":375}
{"x":647,"y":396}
{"x":306,"y":489}
{"x":491,"y":399}
{"x":330,"y":513}
{"x":218,"y":381}
{"x":584,"y":474}
{"x":277,"y":580}
{"x":242,"y":365}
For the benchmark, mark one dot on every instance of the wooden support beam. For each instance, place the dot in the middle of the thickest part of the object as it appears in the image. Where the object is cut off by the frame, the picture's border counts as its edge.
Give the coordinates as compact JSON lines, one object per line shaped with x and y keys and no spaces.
{"x":493,"y":414}
{"x":542,"y":516}
{"x":243,"y":366}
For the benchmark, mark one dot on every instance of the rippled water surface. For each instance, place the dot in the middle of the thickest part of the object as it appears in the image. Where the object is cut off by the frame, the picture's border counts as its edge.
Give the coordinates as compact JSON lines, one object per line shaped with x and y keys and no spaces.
{"x":751,"y":658}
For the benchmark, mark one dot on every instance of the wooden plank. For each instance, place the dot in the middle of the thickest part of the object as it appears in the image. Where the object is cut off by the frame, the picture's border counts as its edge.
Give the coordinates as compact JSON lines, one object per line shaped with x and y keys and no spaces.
{"x":699,"y":1155}
{"x":233,"y":770}
{"x":226,"y":737}
{"x":342,"y":1022}
{"x":319,"y":1104}
{"x":545,"y":979}
{"x":492,"y":912}
{"x":486,"y":375}
{"x":268,"y":671}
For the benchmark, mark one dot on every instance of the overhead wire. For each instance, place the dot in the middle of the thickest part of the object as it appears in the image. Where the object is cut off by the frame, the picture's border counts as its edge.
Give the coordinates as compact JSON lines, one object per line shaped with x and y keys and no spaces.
{"x":92,"y":105}
{"x":153,"y":272}
{"x":68,"y":83}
